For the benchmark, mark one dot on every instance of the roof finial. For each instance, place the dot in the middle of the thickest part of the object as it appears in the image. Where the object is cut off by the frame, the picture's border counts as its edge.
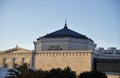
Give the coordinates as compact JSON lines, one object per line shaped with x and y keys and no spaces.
{"x":65,"y":27}
{"x":16,"y":46}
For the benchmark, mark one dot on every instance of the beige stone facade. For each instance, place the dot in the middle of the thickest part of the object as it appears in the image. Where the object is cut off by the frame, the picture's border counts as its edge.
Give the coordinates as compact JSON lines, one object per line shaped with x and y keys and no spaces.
{"x":10,"y":57}
{"x":79,"y":61}
{"x":113,"y":76}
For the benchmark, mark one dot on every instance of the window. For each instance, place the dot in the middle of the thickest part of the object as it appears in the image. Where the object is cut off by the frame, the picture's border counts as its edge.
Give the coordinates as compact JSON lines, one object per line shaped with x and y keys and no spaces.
{"x":55,"y":48}
{"x":14,"y":59}
{"x":14,"y":63}
{"x":23,"y":60}
{"x":4,"y":63}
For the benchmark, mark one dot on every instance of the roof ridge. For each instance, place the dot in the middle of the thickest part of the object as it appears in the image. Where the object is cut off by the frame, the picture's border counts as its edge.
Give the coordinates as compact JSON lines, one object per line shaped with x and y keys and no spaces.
{"x":14,"y":48}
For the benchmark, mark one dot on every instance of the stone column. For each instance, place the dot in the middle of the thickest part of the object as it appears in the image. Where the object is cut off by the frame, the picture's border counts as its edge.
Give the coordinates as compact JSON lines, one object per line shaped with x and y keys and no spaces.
{"x":33,"y":59}
{"x":1,"y":62}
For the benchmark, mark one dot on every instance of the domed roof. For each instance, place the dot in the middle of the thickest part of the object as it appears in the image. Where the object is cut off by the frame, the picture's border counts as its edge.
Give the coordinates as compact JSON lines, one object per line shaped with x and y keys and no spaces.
{"x":65,"y":33}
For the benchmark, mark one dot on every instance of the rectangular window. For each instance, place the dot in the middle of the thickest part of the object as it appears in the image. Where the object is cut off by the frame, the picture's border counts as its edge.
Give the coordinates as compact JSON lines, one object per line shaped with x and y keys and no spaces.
{"x":55,"y":48}
{"x":4,"y":63}
{"x":23,"y":60}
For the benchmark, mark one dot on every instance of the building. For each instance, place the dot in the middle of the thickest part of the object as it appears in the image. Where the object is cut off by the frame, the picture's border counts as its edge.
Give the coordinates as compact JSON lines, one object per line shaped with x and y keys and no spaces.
{"x":63,"y":48}
{"x":15,"y":56}
{"x":107,"y":60}
{"x":64,"y":39}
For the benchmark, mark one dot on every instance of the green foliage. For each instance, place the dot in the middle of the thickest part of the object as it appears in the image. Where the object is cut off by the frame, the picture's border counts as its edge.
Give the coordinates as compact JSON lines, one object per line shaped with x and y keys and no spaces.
{"x":92,"y":74}
{"x":26,"y":72}
{"x":59,"y":73}
{"x":68,"y":73}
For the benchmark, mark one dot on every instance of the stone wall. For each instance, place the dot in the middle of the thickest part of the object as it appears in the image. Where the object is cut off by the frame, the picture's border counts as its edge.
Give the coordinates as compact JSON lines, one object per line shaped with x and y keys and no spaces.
{"x":79,"y":61}
{"x":15,"y":56}
{"x":113,"y":76}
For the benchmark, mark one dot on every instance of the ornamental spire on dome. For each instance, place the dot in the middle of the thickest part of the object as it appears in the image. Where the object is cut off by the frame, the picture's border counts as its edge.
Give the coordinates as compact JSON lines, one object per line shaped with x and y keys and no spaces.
{"x":65,"y":27}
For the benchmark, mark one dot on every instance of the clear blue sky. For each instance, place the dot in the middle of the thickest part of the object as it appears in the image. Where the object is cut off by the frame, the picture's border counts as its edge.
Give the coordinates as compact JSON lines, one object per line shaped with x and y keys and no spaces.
{"x":22,"y":21}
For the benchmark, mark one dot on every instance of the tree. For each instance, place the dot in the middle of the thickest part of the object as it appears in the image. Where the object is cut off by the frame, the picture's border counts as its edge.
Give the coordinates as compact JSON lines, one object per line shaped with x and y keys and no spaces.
{"x":26,"y":72}
{"x":59,"y":73}
{"x":92,"y":74}
{"x":68,"y":73}
{"x":54,"y":73}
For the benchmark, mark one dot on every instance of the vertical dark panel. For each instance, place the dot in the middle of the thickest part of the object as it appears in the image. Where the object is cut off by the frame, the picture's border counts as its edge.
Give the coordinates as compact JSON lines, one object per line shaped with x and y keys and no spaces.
{"x":117,"y":65}
{"x":94,"y":64}
{"x":107,"y":65}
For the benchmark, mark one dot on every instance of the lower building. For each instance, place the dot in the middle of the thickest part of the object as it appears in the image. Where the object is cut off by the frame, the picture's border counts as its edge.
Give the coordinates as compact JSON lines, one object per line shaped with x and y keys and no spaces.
{"x":15,"y":56}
